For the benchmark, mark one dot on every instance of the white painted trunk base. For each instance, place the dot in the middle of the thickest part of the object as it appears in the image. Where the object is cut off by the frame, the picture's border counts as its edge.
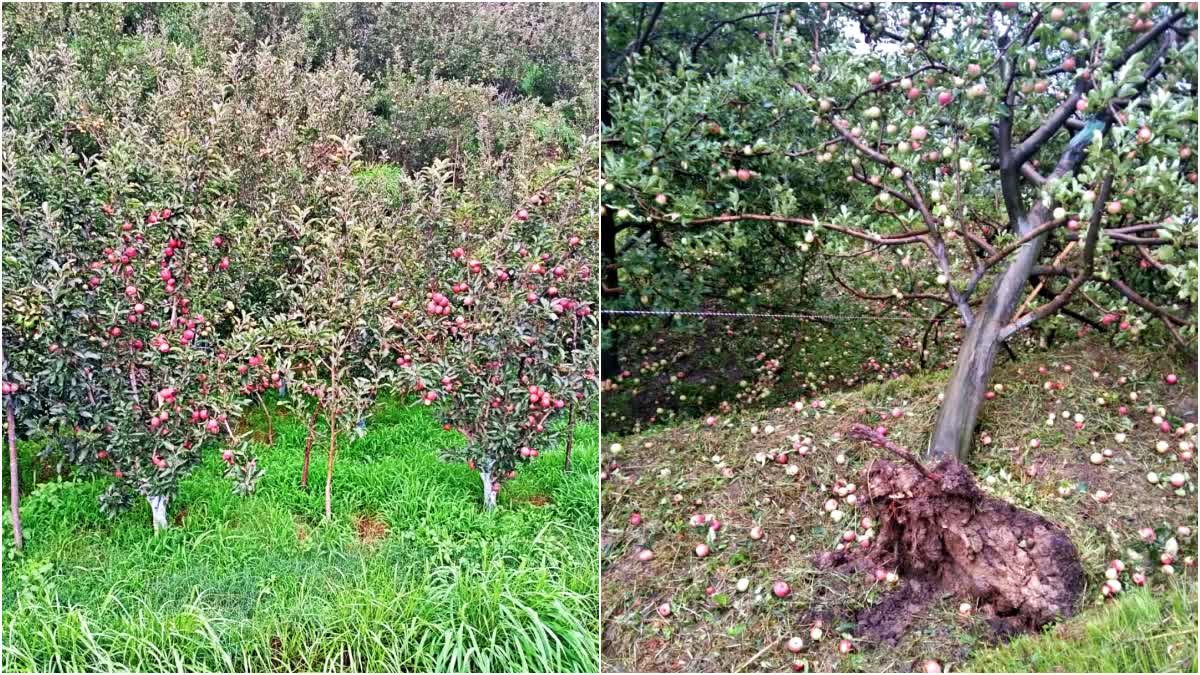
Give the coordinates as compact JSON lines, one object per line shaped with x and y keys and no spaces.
{"x":489,"y":495}
{"x":158,"y":511}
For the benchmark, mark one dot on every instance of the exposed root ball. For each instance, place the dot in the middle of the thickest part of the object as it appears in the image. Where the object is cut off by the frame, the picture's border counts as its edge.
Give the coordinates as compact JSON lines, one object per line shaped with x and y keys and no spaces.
{"x":945,"y":536}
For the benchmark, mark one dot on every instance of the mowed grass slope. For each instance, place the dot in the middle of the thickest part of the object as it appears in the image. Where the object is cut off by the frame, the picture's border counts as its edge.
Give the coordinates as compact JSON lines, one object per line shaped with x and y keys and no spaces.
{"x":669,"y":473}
{"x":410,"y":575}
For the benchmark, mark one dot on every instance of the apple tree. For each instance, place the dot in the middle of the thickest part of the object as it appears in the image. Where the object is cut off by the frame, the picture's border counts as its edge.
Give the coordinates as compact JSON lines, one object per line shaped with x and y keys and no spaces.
{"x":1068,"y":102}
{"x":130,"y":252}
{"x":500,"y":329}
{"x":340,"y":248}
{"x":122,"y":321}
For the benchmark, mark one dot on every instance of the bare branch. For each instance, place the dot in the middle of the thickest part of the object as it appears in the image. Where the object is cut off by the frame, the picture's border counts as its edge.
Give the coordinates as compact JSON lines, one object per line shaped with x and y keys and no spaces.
{"x":1026,"y":150}
{"x":729,"y":22}
{"x":880,"y":186}
{"x":1031,"y":174}
{"x":1003,"y":253}
{"x":640,"y":42}
{"x":1169,"y":320}
{"x":1139,"y":300}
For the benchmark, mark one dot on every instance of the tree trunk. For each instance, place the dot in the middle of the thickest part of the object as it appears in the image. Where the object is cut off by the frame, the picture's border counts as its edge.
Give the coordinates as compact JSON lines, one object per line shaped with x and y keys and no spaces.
{"x":570,"y":439}
{"x":329,"y":464}
{"x":312,"y":431}
{"x":489,"y":492}
{"x":267,"y":414}
{"x":964,"y":393}
{"x":158,"y":511}
{"x":14,"y":475}
{"x":610,"y":364}
{"x":955,"y":427}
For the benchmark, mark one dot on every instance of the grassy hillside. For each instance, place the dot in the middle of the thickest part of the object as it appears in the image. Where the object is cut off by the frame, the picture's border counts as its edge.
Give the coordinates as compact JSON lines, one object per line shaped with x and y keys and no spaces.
{"x":728,"y":470}
{"x":411,"y":575}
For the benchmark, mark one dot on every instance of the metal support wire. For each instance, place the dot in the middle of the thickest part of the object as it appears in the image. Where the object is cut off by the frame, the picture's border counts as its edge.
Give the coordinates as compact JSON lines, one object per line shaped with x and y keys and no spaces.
{"x":753,"y":315}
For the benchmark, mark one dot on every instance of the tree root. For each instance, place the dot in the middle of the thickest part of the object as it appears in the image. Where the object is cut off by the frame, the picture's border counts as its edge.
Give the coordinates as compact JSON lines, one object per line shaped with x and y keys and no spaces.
{"x":944,"y":537}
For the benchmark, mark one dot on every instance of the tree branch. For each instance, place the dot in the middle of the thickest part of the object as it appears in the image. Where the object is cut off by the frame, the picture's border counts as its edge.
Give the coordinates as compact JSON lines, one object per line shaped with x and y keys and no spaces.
{"x":728,"y":22}
{"x":866,"y":433}
{"x":641,"y":40}
{"x":863,"y":295}
{"x":1089,"y":260}
{"x":1139,"y":300}
{"x":1003,"y":253}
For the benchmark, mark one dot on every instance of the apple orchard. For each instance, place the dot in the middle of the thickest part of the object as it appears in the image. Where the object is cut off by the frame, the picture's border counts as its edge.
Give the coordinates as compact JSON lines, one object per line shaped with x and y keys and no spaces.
{"x":1016,"y":165}
{"x":186,"y":250}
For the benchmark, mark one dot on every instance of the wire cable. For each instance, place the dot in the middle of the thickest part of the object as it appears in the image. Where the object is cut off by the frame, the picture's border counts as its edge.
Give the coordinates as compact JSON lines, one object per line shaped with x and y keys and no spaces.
{"x":757,"y":315}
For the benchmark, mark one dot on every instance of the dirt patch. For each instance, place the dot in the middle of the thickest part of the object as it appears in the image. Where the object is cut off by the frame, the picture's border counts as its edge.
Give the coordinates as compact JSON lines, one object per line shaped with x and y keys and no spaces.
{"x":276,"y":652}
{"x":180,"y":516}
{"x":889,"y":620}
{"x":535,"y":499}
{"x":369,"y":530}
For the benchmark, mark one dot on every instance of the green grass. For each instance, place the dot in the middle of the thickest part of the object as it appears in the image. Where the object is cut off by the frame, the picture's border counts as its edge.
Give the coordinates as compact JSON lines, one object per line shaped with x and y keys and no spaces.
{"x":262,"y":584}
{"x":1140,"y":633}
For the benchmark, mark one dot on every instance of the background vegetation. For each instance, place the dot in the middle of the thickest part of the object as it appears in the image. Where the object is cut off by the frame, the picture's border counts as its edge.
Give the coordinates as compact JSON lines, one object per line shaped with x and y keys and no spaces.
{"x":312,"y":175}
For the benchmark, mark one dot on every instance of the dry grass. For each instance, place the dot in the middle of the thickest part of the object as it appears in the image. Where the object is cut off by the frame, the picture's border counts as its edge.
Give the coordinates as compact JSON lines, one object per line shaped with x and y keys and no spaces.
{"x":669,"y":474}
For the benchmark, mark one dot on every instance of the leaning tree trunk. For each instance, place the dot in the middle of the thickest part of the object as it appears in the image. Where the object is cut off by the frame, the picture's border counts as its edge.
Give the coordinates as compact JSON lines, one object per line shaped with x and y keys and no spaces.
{"x":14,"y":475}
{"x":158,"y":510}
{"x":964,"y":393}
{"x":937,"y":529}
{"x":267,"y":414}
{"x":308,"y":444}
